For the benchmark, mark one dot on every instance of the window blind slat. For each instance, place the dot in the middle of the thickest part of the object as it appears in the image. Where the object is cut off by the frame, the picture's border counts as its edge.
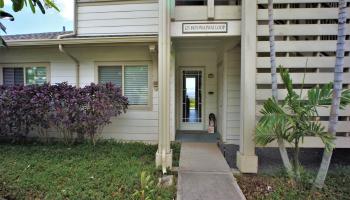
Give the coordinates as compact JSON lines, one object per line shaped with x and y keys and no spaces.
{"x":136,"y":84}
{"x":111,"y":74}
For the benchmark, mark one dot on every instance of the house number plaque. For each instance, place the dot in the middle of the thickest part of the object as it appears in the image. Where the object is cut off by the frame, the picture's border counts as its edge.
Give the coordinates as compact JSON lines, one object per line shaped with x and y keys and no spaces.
{"x":204,"y":27}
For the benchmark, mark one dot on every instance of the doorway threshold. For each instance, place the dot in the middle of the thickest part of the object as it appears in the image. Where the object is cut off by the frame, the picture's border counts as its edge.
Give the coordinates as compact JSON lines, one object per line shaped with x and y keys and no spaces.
{"x":197,"y":136}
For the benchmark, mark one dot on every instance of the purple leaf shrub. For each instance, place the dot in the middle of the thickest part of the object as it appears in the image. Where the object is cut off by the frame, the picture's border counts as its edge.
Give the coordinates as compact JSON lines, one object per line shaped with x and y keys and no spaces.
{"x":41,"y":102}
{"x":65,"y":110}
{"x":16,"y":111}
{"x":68,"y":109}
{"x":99,"y":103}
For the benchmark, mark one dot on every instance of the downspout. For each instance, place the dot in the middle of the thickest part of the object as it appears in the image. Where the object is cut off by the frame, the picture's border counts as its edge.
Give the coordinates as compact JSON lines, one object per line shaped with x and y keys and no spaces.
{"x":61,"y":48}
{"x":77,"y":63}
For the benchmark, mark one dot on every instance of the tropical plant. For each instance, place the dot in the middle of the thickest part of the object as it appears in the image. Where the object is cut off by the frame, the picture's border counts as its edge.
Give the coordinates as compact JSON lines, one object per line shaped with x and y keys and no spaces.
{"x":146,"y":190}
{"x":294,"y":118}
{"x":18,"y":5}
{"x":280,"y":142}
{"x":337,"y":95}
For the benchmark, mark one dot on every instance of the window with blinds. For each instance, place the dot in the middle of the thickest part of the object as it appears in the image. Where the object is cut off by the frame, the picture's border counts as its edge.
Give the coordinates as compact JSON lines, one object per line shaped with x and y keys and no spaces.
{"x":21,"y":75}
{"x":136,"y":84}
{"x":133,"y":79}
{"x":111,"y":74}
{"x":13,"y":76}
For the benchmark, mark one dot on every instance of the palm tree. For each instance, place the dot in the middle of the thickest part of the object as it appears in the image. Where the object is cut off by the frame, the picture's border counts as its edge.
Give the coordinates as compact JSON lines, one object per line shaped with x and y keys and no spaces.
{"x":337,"y":88}
{"x":291,"y":120}
{"x":282,"y":148}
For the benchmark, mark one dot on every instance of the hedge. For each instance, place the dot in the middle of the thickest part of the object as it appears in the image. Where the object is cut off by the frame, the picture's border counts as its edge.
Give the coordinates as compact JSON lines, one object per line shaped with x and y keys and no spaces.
{"x":68,"y":109}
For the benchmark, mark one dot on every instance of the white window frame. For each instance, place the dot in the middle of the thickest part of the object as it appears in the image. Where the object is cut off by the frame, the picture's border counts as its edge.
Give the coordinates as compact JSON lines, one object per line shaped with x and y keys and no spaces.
{"x":147,"y":106}
{"x":24,"y":66}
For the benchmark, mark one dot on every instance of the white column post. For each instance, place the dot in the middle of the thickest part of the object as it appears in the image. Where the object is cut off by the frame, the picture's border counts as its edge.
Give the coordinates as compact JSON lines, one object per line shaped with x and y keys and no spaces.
{"x":172,"y":9}
{"x":164,"y":153}
{"x":211,"y":9}
{"x":247,"y":161}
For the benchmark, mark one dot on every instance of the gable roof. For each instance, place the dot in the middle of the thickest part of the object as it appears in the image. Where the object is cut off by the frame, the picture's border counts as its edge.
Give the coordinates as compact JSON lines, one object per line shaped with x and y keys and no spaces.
{"x":35,"y":36}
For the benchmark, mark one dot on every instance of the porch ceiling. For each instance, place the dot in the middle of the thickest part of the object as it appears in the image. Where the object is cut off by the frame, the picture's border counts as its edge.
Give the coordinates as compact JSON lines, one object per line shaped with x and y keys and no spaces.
{"x":205,"y":43}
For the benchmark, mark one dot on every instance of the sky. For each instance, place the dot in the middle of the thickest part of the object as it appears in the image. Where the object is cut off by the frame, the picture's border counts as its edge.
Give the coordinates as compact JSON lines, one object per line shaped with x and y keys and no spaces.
{"x":27,"y":22}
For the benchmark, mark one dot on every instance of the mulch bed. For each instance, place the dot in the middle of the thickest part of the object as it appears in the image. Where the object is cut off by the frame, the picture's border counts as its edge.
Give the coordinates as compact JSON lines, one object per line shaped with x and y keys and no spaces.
{"x":280,"y":187}
{"x":256,"y":187}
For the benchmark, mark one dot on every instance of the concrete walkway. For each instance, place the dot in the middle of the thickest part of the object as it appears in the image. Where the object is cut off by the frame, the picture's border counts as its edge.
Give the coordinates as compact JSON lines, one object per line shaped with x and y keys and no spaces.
{"x":205,"y":175}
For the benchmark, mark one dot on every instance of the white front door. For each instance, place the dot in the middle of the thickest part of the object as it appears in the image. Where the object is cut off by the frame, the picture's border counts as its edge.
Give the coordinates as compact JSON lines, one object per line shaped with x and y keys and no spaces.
{"x":192,"y":104}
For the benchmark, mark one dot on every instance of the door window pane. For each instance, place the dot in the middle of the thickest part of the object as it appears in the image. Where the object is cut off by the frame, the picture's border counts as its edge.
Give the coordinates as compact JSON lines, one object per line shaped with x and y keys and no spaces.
{"x":192,"y":96}
{"x":136,"y":84}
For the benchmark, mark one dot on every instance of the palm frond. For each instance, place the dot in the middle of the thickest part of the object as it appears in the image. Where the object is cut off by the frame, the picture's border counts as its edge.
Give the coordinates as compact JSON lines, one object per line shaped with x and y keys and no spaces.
{"x":316,"y":129}
{"x":51,"y":4}
{"x":272,"y":106}
{"x":320,"y":96}
{"x":6,"y":15}
{"x":287,"y":81}
{"x":264,"y":135}
{"x":345,"y":99}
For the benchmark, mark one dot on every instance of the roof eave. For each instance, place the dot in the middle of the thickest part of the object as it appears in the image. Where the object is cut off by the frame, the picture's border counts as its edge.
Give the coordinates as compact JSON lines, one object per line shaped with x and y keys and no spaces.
{"x":87,"y":40}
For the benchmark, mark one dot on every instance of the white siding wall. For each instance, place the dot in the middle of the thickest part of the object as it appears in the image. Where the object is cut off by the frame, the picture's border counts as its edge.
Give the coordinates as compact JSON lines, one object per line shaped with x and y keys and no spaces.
{"x":135,"y":124}
{"x":117,"y":18}
{"x":221,"y":97}
{"x":229,"y":95}
{"x":200,"y":58}
{"x":233,"y":73}
{"x":172,"y":96}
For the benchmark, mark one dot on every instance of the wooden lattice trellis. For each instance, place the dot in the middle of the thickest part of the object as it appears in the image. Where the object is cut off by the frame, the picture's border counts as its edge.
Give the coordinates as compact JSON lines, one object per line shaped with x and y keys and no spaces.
{"x":306,"y":37}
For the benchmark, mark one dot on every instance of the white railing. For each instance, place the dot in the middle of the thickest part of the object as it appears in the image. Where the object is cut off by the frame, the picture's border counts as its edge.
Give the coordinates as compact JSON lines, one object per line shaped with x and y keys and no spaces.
{"x":205,"y":10}
{"x":206,"y":2}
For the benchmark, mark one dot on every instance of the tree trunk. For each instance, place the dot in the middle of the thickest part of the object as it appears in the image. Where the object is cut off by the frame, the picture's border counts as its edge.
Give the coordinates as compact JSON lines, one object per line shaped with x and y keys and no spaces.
{"x":272,"y":52}
{"x":296,"y":160}
{"x":284,"y":155}
{"x":337,"y":89}
{"x":282,"y":148}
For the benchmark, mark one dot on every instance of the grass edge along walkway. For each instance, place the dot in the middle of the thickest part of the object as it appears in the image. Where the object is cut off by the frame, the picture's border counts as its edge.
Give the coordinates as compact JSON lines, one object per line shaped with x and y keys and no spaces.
{"x":109,"y":170}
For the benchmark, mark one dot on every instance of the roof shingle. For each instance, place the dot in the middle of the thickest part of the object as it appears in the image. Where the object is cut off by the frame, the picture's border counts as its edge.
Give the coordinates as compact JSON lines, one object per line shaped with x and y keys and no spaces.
{"x":35,"y":36}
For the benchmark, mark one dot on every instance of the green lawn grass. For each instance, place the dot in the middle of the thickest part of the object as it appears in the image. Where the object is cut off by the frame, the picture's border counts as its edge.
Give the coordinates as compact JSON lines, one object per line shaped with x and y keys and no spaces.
{"x":109,"y":170}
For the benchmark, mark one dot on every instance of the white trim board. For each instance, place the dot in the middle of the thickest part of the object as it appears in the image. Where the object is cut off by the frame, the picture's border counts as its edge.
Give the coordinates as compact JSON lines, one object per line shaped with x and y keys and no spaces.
{"x":233,"y":29}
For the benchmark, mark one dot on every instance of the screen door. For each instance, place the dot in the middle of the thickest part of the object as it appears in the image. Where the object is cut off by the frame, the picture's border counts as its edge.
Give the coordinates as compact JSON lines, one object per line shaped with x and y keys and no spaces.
{"x":191,"y":100}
